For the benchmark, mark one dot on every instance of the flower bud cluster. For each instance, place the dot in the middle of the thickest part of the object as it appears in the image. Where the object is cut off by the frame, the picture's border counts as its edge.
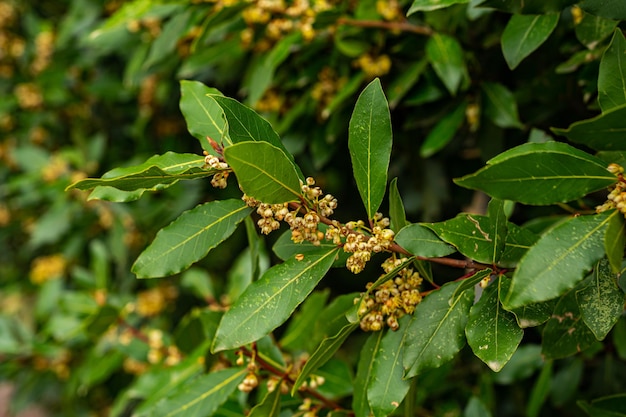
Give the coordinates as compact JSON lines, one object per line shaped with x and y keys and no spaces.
{"x":362,"y":246}
{"x":617,"y":195}
{"x":220,"y":178}
{"x":391,"y":300}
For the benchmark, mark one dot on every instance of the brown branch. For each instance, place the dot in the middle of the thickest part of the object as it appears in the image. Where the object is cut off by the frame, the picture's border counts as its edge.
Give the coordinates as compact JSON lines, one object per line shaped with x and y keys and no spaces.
{"x":403,"y":26}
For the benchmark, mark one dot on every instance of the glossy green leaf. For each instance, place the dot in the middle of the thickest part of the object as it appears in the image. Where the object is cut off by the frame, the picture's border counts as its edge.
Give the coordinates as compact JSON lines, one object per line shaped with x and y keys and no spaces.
{"x":499,"y":230}
{"x":600,"y":300}
{"x":203,"y":116}
{"x":285,"y":248}
{"x":446,"y":56}
{"x":444,"y":131}
{"x":369,"y":141}
{"x":397,"y":213}
{"x":297,"y":334}
{"x":518,"y":241}
{"x":527,"y":6}
{"x":264,"y":172}
{"x":428,"y":5}
{"x":189,"y":238}
{"x":523,"y":34}
{"x":158,"y":172}
{"x":270,"y":301}
{"x":594,"y":29}
{"x":326,"y":349}
{"x":269,"y":406}
{"x":200,"y":396}
{"x":540,"y":174}
{"x":533,"y":315}
{"x":612,"y":9}
{"x":615,"y":241}
{"x":386,"y":388}
{"x":604,"y":132}
{"x":419,"y":240}
{"x":436,"y":332}
{"x":612,"y":74}
{"x":492,"y":332}
{"x":500,"y":105}
{"x":566,"y":333}
{"x":360,"y":403}
{"x":470,"y":282}
{"x":561,"y":257}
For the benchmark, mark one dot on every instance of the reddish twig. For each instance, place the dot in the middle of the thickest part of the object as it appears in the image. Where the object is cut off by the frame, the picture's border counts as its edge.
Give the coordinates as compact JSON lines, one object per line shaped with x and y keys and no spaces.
{"x":403,"y":26}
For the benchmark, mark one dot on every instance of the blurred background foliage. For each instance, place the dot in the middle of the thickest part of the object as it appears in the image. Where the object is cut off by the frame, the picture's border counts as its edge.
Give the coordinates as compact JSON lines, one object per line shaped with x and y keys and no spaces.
{"x":89,"y":85}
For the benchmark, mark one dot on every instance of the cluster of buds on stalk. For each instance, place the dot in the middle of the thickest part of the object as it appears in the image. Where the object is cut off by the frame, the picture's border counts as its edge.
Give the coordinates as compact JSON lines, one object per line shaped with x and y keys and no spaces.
{"x":220,"y":178}
{"x":617,"y":193}
{"x":392,"y":299}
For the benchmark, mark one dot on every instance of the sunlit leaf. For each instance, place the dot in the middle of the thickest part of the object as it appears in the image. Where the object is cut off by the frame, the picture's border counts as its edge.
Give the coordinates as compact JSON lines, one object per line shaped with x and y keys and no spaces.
{"x":203,"y":116}
{"x":523,"y":34}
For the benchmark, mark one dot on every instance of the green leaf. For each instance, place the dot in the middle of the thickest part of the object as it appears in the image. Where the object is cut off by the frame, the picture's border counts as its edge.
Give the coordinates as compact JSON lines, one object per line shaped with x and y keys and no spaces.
{"x":369,"y":141}
{"x":561,"y":257}
{"x":436,"y":332}
{"x":492,"y":332}
{"x":540,"y":174}
{"x":285,"y":248}
{"x":323,"y":353}
{"x":264,"y":172}
{"x":612,"y":74}
{"x":203,"y":116}
{"x":365,"y":366}
{"x":189,"y":238}
{"x":397,"y":214}
{"x":566,"y":333}
{"x":473,"y":235}
{"x":600,"y":300}
{"x":470,"y":282}
{"x":444,"y":131}
{"x":525,"y":33}
{"x":428,"y":5}
{"x":269,"y":406}
{"x":270,"y":301}
{"x":614,"y":9}
{"x":518,"y":241}
{"x":540,"y":391}
{"x":401,"y":84}
{"x":298,"y":331}
{"x":604,"y":132}
{"x":533,"y":315}
{"x":158,"y":172}
{"x":594,"y":29}
{"x":614,"y":242}
{"x":387,"y":388}
{"x":500,"y":105}
{"x":446,"y":56}
{"x":171,"y":32}
{"x":200,"y":396}
{"x":419,"y":240}
{"x":527,"y":6}
{"x":609,"y":406}
{"x":498,"y":231}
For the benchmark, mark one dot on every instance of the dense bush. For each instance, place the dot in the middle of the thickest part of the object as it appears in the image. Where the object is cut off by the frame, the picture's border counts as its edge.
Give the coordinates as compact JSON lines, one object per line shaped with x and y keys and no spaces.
{"x":487,"y":133}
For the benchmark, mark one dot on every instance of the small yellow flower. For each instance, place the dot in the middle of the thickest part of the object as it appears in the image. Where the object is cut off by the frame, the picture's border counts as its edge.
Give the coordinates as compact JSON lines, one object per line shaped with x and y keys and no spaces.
{"x":45,"y":268}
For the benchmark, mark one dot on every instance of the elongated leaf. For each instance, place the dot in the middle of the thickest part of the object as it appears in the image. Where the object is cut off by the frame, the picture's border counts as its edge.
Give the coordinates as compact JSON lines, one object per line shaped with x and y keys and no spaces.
{"x":614,"y":242}
{"x":499,"y":232}
{"x":436,"y":332}
{"x":201,"y":396}
{"x":566,"y":333}
{"x":561,"y":257}
{"x":612,"y":75}
{"x":444,"y":131}
{"x":609,"y":406}
{"x":369,"y":141}
{"x":285,"y":248}
{"x":428,"y":5}
{"x":269,"y":407}
{"x":270,"y":301}
{"x":323,"y":353}
{"x":594,"y":29}
{"x":421,"y":241}
{"x":401,"y":84}
{"x":264,"y":172}
{"x":360,"y":404}
{"x":604,"y":132}
{"x":492,"y":332}
{"x":528,"y":6}
{"x":540,"y":174}
{"x":387,"y":388}
{"x":446,"y":56}
{"x":296,"y":337}
{"x":189,"y":238}
{"x":470,"y":282}
{"x":525,"y":33}
{"x":158,"y":172}
{"x":396,"y":207}
{"x":500,"y":105}
{"x":203,"y":116}
{"x":600,"y":300}
{"x":518,"y":241}
{"x":610,"y":9}
{"x":533,"y":315}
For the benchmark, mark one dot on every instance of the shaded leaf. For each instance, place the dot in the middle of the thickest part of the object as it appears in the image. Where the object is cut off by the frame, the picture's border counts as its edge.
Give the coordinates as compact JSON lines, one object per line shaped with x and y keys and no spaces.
{"x":614,"y":242}
{"x":397,"y":214}
{"x":500,"y":105}
{"x":285,"y":248}
{"x":492,"y":332}
{"x":401,"y":84}
{"x":270,"y":301}
{"x":269,"y":406}
{"x":202,"y":115}
{"x":527,"y":6}
{"x":446,"y":56}
{"x":444,"y":131}
{"x":428,"y":5}
{"x":615,"y":9}
{"x":419,"y":240}
{"x":470,"y":282}
{"x":518,"y":241}
{"x":594,"y":29}
{"x":540,"y":391}
{"x":264,"y":172}
{"x":609,"y":406}
{"x":436,"y":334}
{"x":561,"y":257}
{"x":369,"y":141}
{"x":612,"y":74}
{"x":604,"y":132}
{"x":298,"y":331}
{"x":360,"y":403}
{"x":533,"y":315}
{"x":600,"y":300}
{"x":540,"y":174}
{"x":189,"y":238}
{"x":498,"y":231}
{"x":523,"y":34}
